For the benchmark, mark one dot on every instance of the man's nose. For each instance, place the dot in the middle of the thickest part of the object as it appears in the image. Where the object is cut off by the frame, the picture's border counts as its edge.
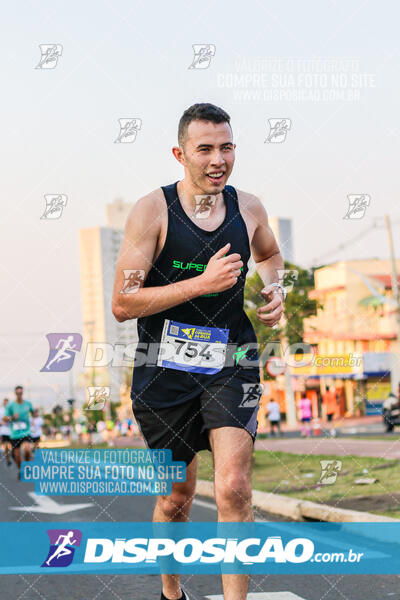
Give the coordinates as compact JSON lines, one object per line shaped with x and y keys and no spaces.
{"x":217,"y":159}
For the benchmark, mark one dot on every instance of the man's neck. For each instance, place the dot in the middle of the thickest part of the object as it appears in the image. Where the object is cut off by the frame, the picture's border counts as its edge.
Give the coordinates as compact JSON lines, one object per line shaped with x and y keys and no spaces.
{"x":189,"y":196}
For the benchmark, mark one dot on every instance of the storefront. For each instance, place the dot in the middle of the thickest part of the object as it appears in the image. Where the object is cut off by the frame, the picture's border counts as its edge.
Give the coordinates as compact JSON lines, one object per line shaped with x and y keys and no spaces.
{"x":319,"y":377}
{"x":376,"y":382}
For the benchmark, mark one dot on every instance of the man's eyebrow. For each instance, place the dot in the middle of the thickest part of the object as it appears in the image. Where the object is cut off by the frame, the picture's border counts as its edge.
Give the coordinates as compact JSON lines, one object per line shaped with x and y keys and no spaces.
{"x":211,"y":145}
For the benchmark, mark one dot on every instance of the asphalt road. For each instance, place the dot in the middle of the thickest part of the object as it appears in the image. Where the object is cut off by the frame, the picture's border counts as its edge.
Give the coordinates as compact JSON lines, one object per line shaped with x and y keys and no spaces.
{"x":147,"y":587}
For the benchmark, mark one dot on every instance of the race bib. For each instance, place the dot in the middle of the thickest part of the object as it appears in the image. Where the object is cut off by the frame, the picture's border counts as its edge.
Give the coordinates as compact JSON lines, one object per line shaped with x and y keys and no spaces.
{"x":192,"y":348}
{"x":19,"y":425}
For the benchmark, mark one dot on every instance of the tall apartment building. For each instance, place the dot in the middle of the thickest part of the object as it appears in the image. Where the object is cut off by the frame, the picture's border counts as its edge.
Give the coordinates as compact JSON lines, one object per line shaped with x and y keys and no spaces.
{"x":99,"y":248}
{"x":282,"y":230}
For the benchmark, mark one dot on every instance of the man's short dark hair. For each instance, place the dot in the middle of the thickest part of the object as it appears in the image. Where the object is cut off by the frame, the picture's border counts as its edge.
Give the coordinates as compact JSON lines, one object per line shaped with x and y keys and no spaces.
{"x":201,"y":112}
{"x":18,"y":387}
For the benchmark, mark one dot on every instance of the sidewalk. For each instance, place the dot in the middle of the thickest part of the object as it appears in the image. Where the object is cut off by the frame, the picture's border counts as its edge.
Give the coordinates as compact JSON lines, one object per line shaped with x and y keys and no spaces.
{"x":341,"y":423}
{"x":334,"y":446}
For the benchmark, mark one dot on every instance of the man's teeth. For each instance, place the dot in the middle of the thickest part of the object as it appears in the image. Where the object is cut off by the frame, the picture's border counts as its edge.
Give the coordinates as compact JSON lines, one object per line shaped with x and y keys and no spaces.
{"x":215,"y":175}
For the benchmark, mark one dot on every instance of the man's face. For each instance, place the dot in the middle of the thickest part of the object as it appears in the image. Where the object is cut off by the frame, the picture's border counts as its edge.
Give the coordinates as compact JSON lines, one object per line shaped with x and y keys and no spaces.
{"x":5,"y":401}
{"x":18,"y":393}
{"x":209,"y":150}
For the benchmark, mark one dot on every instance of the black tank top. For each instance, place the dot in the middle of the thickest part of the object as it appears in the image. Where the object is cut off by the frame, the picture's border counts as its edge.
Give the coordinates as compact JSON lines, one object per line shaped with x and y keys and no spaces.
{"x":185,"y":254}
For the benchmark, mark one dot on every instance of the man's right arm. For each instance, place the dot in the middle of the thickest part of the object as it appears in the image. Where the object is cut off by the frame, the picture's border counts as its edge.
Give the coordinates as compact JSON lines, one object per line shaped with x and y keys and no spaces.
{"x":137,"y":253}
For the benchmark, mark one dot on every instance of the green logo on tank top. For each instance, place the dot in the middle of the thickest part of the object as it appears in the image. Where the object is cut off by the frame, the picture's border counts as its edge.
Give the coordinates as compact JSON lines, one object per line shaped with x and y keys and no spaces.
{"x":239,"y":354}
{"x":187,"y":266}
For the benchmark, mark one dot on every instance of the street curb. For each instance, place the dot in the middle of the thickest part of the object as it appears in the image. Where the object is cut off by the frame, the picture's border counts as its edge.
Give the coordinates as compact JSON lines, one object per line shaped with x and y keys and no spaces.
{"x":299,"y":510}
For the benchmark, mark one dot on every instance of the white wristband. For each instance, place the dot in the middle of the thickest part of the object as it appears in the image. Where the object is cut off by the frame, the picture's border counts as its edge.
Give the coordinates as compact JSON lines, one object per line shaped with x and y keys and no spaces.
{"x":284,"y":291}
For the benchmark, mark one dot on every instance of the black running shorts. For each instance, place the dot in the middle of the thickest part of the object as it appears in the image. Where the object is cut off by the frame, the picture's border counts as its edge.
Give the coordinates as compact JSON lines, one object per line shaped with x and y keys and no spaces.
{"x":229,"y":402}
{"x":16,"y":443}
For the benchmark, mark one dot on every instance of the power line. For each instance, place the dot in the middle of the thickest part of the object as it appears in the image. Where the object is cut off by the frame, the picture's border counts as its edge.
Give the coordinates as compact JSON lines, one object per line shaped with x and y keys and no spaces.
{"x":344,"y":245}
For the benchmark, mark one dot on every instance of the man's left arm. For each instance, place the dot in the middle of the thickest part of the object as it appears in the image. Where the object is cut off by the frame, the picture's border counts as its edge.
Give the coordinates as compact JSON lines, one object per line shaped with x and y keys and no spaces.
{"x":269,"y":262}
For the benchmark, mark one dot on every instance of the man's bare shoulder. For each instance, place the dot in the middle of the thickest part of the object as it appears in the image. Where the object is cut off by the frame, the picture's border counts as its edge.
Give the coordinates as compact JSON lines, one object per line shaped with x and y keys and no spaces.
{"x":148,"y":210}
{"x":250,"y":204}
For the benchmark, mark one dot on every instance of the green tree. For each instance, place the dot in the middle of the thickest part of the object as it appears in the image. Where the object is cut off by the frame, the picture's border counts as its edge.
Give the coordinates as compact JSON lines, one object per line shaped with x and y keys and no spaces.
{"x":298,"y":306}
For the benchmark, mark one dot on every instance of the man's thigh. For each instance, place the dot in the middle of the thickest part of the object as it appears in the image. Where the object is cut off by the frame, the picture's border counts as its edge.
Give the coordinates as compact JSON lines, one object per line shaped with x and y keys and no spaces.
{"x":232,"y":450}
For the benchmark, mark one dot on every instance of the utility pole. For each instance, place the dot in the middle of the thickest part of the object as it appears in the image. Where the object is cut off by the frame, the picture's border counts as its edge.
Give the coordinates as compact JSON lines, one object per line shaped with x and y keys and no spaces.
{"x":395,"y":373}
{"x":291,"y":414}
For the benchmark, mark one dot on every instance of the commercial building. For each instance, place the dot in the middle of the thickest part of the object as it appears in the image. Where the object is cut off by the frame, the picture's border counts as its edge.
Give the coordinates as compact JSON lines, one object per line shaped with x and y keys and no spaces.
{"x":354,"y":335}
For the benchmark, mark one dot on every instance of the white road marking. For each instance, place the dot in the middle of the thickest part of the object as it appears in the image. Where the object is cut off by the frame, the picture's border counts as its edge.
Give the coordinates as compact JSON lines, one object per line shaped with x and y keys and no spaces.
{"x":264,"y":596}
{"x":44,"y":504}
{"x":204,"y":504}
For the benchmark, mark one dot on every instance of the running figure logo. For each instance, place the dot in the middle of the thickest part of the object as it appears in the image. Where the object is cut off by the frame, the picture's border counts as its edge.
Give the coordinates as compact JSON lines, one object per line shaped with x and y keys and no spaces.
{"x":98,"y":397}
{"x":133,"y":277}
{"x":239,"y":354}
{"x":357,"y":206}
{"x":63,"y":347}
{"x":55,"y":203}
{"x":203,"y":54}
{"x":189,"y":331}
{"x":251,"y":394}
{"x":62,"y":547}
{"x":278,"y":129}
{"x":287,"y":278}
{"x":50,"y":54}
{"x":203,"y":205}
{"x":329,"y":471}
{"x":128,"y":129}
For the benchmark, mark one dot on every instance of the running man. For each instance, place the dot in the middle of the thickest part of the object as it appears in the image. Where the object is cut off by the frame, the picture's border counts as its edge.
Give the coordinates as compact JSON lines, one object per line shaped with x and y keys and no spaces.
{"x":190,"y":307}
{"x":62,"y":549}
{"x":5,"y":431}
{"x":18,"y":414}
{"x":36,"y":429}
{"x":62,"y":353}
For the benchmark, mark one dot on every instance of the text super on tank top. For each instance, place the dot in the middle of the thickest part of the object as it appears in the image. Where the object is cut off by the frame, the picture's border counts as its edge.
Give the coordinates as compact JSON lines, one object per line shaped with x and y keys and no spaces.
{"x":200,"y":333}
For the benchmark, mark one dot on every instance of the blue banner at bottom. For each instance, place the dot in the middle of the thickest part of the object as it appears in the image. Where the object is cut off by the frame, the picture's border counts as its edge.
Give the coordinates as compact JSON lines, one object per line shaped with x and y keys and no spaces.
{"x":153,"y":548}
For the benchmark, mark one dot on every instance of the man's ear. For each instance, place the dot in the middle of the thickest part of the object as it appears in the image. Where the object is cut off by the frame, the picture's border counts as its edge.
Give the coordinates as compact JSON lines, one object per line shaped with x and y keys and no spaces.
{"x":179,"y":155}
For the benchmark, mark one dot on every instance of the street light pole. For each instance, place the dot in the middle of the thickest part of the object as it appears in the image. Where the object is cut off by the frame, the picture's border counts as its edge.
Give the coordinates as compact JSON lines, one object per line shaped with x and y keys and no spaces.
{"x":395,"y":373}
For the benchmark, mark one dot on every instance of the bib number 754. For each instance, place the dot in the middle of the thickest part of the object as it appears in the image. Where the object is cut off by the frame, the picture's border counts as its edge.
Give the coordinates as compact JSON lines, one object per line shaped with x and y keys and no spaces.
{"x":191,"y":350}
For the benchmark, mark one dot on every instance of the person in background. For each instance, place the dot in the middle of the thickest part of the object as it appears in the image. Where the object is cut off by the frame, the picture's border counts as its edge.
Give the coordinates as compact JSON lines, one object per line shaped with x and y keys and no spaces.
{"x":330,"y":403}
{"x":274,"y":416}
{"x":305,"y":416}
{"x":5,"y":431}
{"x":36,"y":428}
{"x":18,"y":415}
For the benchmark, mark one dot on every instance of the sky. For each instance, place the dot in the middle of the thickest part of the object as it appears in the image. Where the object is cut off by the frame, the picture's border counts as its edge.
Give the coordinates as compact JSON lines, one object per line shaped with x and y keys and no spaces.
{"x":329,"y":68}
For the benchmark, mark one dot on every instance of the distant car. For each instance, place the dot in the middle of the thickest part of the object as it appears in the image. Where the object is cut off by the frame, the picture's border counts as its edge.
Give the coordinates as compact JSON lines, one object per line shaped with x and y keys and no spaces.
{"x":391,"y":413}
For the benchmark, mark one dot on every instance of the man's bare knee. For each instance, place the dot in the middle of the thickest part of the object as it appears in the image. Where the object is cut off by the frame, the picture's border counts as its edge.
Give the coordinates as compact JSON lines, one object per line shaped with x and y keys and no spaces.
{"x":176,"y":505}
{"x":233,"y":492}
